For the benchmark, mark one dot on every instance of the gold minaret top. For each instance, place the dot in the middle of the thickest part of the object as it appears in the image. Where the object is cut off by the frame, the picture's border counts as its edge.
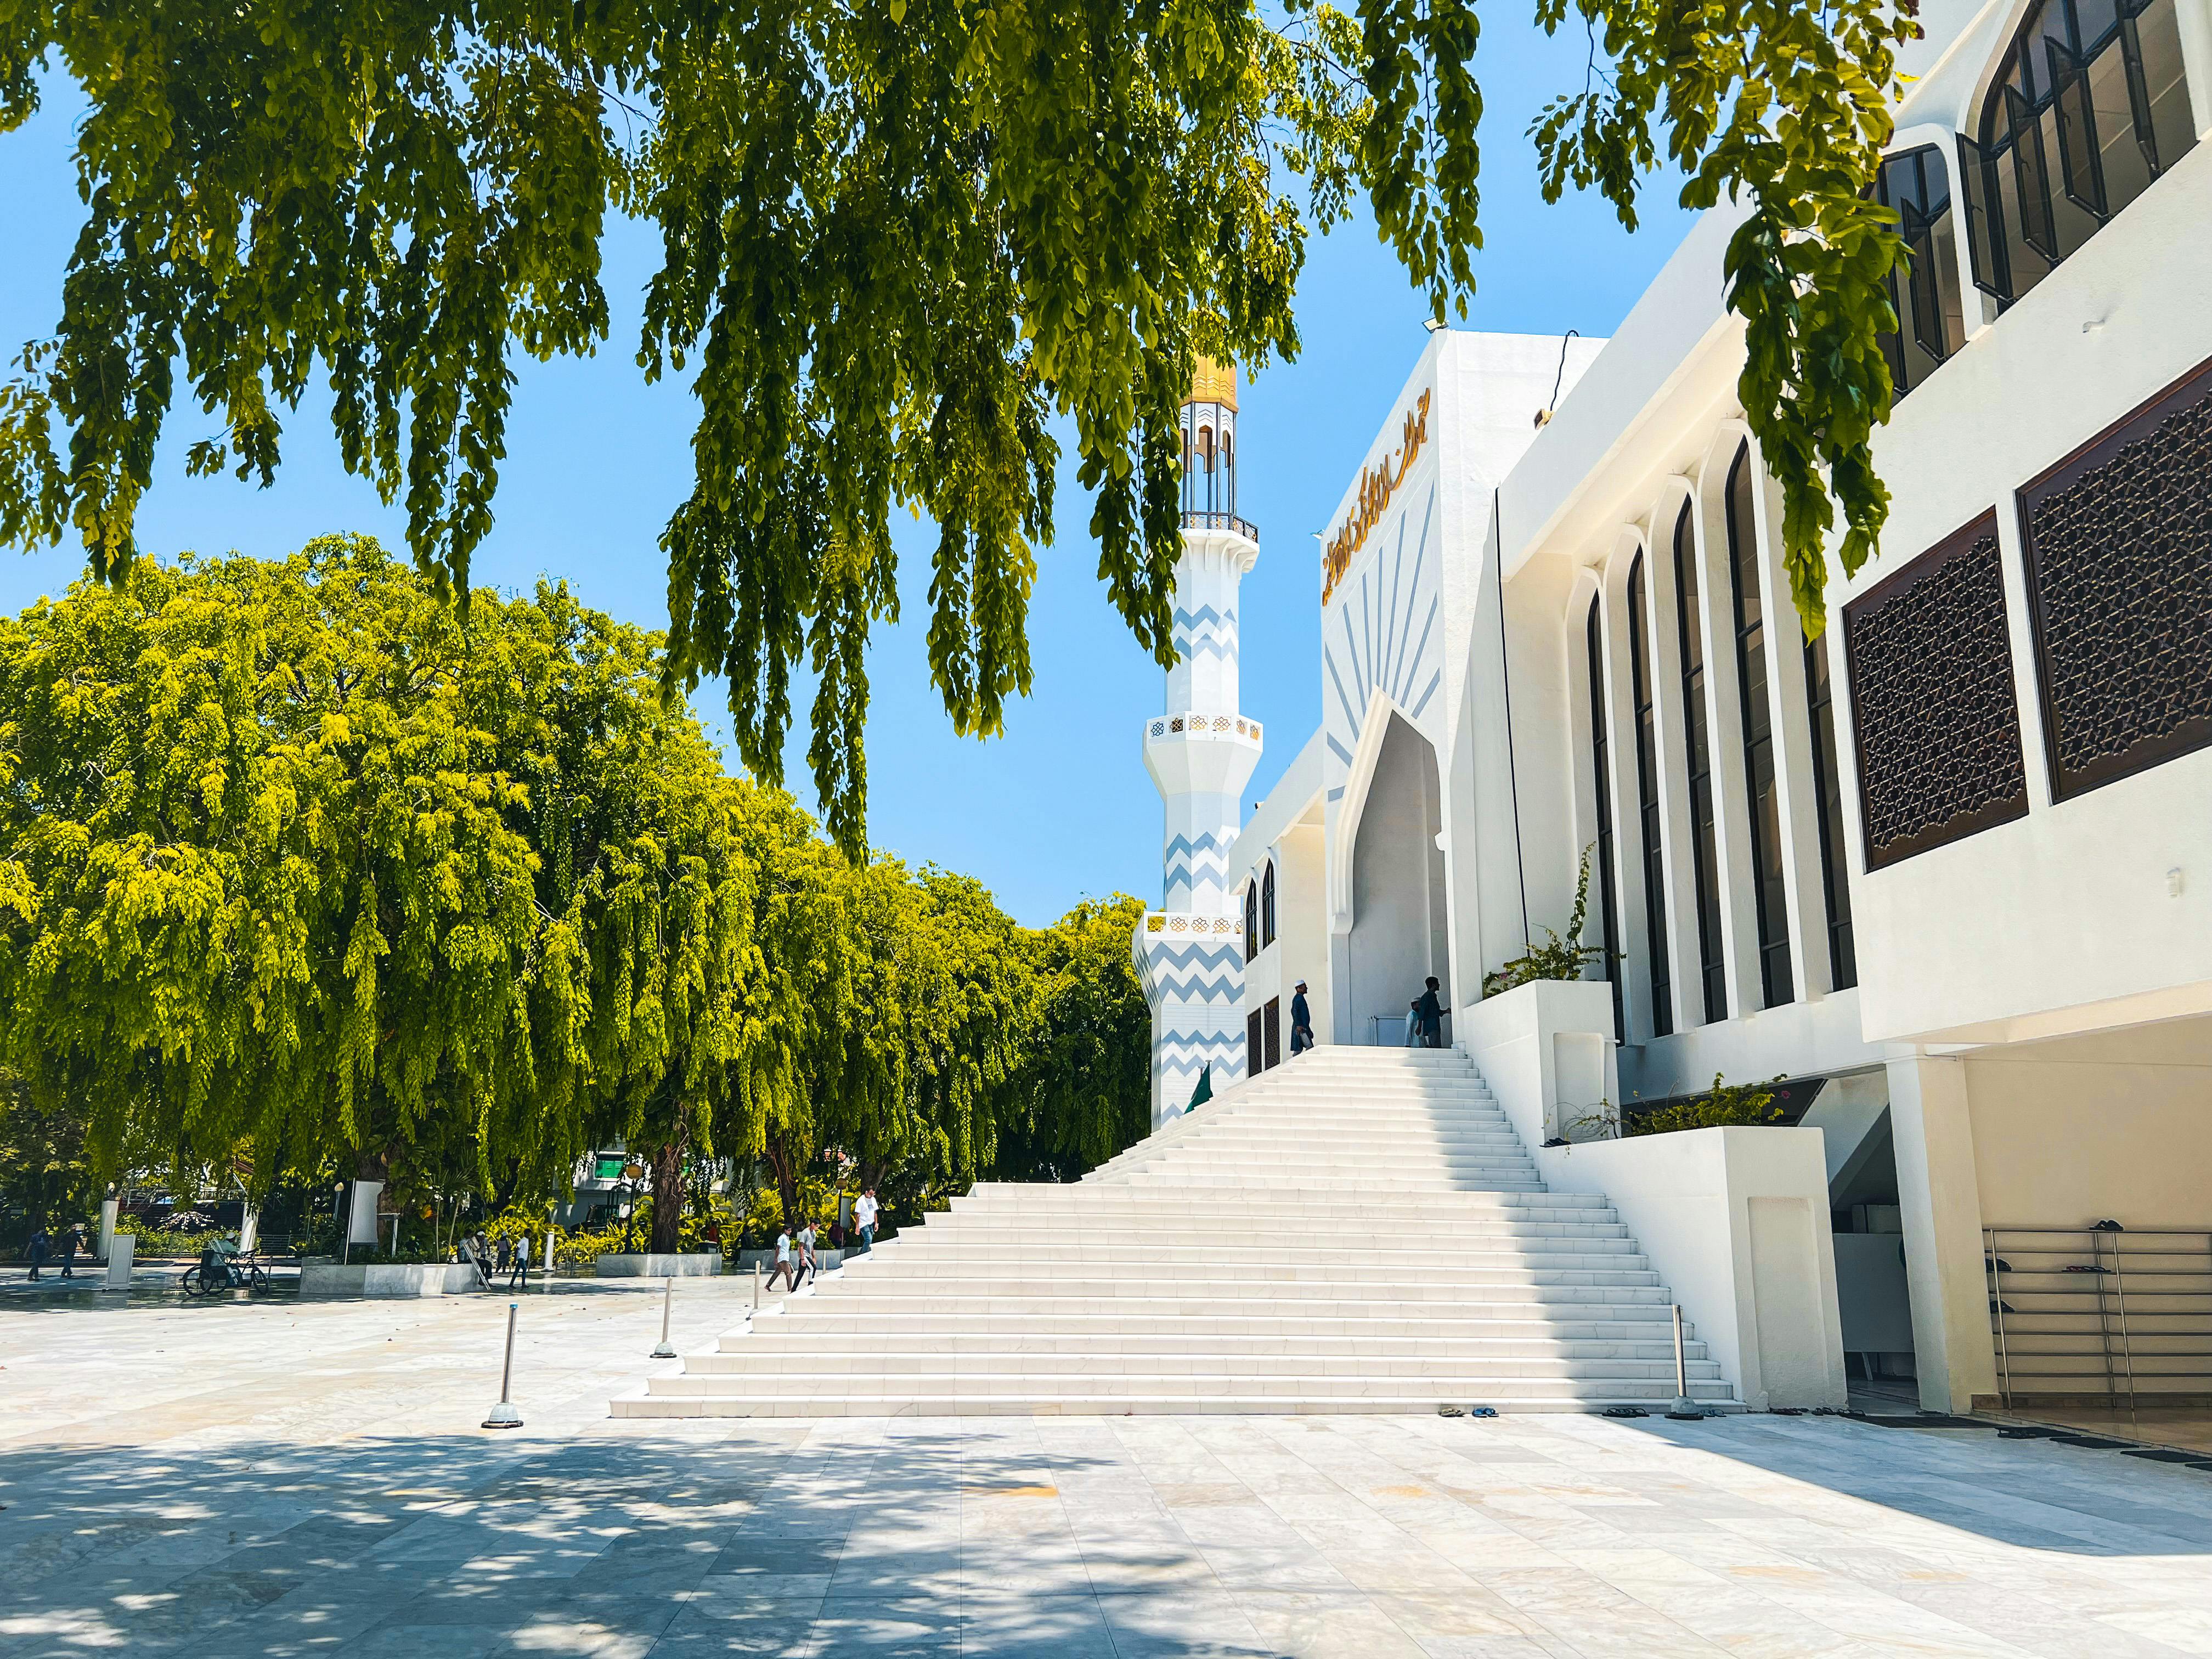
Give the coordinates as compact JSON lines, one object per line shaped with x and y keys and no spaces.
{"x":1215,"y":383}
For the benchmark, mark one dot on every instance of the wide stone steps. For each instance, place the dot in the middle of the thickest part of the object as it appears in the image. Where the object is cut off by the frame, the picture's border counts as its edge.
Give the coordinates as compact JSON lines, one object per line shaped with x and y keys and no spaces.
{"x":1358,"y":1231}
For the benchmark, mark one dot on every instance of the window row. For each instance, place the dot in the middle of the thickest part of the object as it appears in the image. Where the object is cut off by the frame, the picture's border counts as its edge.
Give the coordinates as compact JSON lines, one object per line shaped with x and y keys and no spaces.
{"x":1260,"y":913}
{"x":1687,"y":769}
{"x":2090,"y":105}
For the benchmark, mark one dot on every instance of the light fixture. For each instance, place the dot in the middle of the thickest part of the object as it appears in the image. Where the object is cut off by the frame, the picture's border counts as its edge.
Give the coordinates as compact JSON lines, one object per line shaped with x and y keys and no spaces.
{"x":1435,"y":324}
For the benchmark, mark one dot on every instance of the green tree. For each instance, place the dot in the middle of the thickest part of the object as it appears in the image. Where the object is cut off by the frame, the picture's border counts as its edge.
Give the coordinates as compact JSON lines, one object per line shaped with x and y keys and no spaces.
{"x":901,"y":238}
{"x":1086,"y":1081}
{"x":45,"y":1176}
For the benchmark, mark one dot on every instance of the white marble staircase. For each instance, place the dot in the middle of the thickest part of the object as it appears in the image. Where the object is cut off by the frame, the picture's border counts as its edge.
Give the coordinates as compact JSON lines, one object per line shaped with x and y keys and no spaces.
{"x":1360,"y":1229}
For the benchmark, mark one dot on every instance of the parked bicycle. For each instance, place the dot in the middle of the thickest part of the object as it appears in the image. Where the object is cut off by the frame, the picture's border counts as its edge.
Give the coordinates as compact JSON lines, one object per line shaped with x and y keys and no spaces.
{"x":223,"y":1268}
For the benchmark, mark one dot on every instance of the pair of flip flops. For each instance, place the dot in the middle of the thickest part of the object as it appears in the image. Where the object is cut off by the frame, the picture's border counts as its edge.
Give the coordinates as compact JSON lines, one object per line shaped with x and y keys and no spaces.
{"x":1471,"y":1411}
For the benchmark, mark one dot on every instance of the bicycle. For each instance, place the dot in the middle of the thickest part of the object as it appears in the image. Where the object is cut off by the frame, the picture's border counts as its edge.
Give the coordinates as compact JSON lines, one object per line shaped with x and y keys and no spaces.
{"x":217,"y":1273}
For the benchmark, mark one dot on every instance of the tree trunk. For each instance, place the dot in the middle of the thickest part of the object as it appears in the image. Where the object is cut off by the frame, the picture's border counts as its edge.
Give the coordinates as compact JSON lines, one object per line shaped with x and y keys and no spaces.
{"x":668,"y":1192}
{"x":785,"y":1170}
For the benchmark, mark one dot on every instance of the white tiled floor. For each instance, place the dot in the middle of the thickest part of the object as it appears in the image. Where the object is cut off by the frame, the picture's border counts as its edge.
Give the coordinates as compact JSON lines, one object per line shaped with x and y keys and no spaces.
{"x":290,"y":1480}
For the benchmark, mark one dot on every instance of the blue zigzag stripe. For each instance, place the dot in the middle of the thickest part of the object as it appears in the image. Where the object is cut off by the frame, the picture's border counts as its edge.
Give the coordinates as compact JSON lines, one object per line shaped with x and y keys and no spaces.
{"x":1194,"y":649}
{"x":1189,"y":844}
{"x":1182,"y":955}
{"x":1207,"y":614}
{"x":1227,"y":986}
{"x":1202,"y":1039}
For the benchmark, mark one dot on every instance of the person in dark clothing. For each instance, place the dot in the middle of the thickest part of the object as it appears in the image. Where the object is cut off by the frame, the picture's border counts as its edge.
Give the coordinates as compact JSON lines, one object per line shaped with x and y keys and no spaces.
{"x":68,"y":1252}
{"x":1428,"y":1015}
{"x":1301,"y":1021}
{"x":34,"y":1251}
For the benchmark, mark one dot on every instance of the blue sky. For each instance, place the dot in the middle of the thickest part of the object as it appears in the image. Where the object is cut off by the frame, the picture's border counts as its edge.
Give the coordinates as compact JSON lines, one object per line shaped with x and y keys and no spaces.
{"x":1060,"y":808}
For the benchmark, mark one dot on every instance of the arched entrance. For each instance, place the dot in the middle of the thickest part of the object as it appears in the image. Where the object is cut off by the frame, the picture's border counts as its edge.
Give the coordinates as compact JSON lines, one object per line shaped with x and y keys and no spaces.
{"x":1397,"y":912}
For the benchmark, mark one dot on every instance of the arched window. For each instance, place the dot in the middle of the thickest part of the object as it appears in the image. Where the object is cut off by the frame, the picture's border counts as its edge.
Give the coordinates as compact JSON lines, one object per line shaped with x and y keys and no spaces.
{"x":1931,"y":320}
{"x":2089,"y":106}
{"x":1647,"y":803}
{"x":1206,"y":447}
{"x":1268,"y":906}
{"x":1697,"y":760}
{"x":1251,"y":921}
{"x":1770,"y":896}
{"x":1602,"y":780}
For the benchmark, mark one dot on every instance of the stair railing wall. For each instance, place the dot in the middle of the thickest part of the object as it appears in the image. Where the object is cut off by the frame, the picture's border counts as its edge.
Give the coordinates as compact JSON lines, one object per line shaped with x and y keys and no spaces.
{"x":2100,"y":1312}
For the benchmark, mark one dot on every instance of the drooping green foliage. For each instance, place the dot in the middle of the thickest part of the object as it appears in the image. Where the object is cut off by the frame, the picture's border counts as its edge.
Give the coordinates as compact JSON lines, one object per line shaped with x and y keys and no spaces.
{"x":299,"y":860}
{"x":899,"y":238}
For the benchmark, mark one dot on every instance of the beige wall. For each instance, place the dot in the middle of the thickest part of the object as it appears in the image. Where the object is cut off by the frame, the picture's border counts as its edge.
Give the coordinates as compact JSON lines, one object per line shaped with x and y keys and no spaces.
{"x":2076,"y":1129}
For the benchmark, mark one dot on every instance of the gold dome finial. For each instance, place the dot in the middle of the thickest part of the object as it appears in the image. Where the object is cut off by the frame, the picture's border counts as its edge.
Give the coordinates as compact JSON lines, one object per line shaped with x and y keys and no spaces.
{"x":1215,"y":383}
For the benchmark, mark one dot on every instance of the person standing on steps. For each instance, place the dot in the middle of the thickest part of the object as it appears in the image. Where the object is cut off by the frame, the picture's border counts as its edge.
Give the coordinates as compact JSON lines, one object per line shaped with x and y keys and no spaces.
{"x":783,"y":1269}
{"x":1428,"y":1015}
{"x":864,"y":1217}
{"x":1301,"y":1021}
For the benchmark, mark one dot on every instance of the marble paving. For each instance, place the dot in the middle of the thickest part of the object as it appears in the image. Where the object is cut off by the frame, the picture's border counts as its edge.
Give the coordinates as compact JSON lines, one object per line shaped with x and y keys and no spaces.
{"x":283,"y":1478}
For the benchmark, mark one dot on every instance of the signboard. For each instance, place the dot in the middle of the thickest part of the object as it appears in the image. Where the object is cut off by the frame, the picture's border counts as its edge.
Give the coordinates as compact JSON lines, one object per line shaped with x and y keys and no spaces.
{"x":1371,"y":498}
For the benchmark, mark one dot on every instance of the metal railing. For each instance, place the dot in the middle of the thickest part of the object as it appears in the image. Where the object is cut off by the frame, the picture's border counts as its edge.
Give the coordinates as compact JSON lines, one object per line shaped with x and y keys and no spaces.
{"x":1249,"y":531}
{"x":2100,"y":1312}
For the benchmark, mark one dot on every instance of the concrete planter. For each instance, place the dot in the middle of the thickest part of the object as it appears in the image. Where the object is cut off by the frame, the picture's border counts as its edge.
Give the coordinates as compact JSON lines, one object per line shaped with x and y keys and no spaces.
{"x":696,"y":1265}
{"x":398,"y":1279}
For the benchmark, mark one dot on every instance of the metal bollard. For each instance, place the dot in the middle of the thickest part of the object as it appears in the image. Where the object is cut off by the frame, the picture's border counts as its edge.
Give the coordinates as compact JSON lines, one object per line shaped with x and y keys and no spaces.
{"x":667,"y":1299}
{"x":1684,"y":1409}
{"x":503,"y":1415}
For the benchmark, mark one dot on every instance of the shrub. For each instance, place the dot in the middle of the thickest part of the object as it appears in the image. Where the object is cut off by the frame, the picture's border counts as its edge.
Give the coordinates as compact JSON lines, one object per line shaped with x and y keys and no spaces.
{"x":1557,"y":958}
{"x":1724,"y":1105}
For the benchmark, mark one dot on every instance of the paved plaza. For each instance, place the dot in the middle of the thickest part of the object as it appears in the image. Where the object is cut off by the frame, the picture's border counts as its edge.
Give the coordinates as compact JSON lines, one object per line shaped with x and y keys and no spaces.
{"x":289,"y":1479}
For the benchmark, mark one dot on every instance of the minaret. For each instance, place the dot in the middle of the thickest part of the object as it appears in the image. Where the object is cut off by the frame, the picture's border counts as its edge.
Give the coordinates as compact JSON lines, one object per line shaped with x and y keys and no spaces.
{"x":1202,"y":753}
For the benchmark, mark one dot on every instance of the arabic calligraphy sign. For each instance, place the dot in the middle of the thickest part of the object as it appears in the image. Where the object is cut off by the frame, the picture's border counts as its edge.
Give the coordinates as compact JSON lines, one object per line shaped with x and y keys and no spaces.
{"x":1377,"y":485}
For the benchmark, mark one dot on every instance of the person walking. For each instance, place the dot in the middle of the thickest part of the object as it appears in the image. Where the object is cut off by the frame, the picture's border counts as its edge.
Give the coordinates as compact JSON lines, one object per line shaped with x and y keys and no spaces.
{"x":68,"y":1252}
{"x":806,"y":1264}
{"x":1301,"y":1021}
{"x":783,"y":1269}
{"x":517,"y":1276}
{"x":499,"y":1254}
{"x":1430,"y":1012}
{"x":864,"y":1217}
{"x":34,"y":1251}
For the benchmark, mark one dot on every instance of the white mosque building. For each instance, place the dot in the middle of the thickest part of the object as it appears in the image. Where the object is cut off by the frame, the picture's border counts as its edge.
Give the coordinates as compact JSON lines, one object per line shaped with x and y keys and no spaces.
{"x":1947,"y":869}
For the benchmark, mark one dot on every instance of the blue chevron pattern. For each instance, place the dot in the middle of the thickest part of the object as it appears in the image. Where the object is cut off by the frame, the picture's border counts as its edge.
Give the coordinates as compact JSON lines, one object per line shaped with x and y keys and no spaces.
{"x":1192,"y":987}
{"x":1183,"y":956}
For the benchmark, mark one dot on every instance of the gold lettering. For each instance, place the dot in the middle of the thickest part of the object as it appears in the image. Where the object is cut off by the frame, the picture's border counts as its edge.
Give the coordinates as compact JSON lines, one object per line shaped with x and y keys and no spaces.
{"x":1370,"y":497}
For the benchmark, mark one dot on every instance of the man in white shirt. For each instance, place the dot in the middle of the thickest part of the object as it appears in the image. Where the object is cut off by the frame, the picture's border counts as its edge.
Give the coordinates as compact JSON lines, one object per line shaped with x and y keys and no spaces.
{"x":864,"y":1217}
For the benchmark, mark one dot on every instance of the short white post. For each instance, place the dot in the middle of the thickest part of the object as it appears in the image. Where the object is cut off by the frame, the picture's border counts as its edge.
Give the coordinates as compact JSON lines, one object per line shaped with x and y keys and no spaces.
{"x":667,"y":1301}
{"x":503,"y":1415}
{"x":109,"y":1208}
{"x":1684,"y":1409}
{"x":120,"y":1251}
{"x":756,"y":1283}
{"x":549,"y":1256}
{"x":249,"y":1230}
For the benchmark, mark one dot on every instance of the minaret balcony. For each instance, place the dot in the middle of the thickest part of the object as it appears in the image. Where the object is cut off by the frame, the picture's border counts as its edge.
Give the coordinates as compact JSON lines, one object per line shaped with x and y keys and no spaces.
{"x":1228,"y":521}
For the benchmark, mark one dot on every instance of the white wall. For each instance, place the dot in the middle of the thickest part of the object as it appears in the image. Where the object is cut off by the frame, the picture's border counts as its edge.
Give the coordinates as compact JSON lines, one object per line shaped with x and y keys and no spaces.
{"x":2068,"y":905}
{"x":1736,"y":1222}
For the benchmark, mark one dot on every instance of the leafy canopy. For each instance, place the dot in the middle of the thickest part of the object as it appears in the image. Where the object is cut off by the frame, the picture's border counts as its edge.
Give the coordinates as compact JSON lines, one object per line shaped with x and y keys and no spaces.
{"x":298,"y":861}
{"x":899,"y":237}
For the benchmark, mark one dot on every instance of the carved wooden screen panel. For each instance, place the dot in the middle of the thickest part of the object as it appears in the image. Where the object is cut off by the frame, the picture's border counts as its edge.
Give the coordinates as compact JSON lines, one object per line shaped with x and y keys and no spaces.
{"x":1932,"y":700}
{"x":2119,"y":538}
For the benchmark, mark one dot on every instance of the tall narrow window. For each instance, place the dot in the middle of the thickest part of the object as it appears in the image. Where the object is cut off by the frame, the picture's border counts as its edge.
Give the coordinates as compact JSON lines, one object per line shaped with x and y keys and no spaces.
{"x":1251,"y":920}
{"x":1267,"y":907}
{"x":1647,"y":805}
{"x":1835,"y":885}
{"x":1770,"y":900}
{"x":1601,"y":779}
{"x":1697,"y":753}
